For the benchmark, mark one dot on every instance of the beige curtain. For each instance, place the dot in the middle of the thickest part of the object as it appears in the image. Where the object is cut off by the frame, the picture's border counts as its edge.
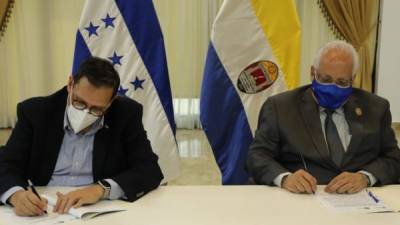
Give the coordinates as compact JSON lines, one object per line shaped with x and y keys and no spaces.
{"x":315,"y":32}
{"x":36,"y":51}
{"x":186,"y":26}
{"x":355,"y":21}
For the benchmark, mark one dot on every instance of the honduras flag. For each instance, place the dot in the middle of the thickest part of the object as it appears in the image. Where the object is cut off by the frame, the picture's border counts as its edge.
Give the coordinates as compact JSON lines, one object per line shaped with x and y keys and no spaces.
{"x":254,"y":53}
{"x":127,"y":33}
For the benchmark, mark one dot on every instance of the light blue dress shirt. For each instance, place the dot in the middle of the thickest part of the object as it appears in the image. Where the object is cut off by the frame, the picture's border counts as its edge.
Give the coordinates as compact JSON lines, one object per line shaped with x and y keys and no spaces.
{"x":74,"y":163}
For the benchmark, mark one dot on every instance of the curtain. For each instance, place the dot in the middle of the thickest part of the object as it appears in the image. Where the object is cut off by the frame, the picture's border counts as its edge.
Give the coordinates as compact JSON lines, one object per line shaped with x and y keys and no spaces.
{"x":187,"y":113}
{"x":315,"y":32}
{"x":186,"y":25}
{"x":36,"y":51}
{"x":356,"y":22}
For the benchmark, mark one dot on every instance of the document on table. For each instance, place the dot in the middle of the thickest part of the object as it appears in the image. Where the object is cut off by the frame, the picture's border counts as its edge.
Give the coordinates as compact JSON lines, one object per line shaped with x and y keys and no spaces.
{"x":361,"y":202}
{"x":7,"y":215}
{"x":86,"y":212}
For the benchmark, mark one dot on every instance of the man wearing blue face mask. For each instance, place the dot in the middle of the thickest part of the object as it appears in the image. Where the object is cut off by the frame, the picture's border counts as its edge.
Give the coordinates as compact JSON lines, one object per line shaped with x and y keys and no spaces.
{"x":326,"y":133}
{"x":82,"y":135}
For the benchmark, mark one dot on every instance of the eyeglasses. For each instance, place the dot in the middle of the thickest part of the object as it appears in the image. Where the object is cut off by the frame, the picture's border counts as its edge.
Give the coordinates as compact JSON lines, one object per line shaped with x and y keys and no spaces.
{"x":327,"y":79}
{"x":81,"y":105}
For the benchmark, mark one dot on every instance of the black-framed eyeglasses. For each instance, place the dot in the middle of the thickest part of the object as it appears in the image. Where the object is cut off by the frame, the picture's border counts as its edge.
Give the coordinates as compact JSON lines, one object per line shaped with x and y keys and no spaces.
{"x":81,"y":105}
{"x":327,"y":79}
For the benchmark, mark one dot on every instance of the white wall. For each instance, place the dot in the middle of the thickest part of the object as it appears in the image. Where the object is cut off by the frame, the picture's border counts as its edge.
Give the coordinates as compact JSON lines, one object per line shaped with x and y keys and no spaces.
{"x":388,"y":63}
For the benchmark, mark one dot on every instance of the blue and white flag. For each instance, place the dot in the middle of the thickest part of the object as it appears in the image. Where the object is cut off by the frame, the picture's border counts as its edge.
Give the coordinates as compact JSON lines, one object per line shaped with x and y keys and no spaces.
{"x":254,"y":53}
{"x":127,"y":32}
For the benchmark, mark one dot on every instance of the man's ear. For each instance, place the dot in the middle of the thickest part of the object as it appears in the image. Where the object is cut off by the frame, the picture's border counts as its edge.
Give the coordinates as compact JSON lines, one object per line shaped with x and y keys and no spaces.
{"x":313,"y":71}
{"x":70,"y":83}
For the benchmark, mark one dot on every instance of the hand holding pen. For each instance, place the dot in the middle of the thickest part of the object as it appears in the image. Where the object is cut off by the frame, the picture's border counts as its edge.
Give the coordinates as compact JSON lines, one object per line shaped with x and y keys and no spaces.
{"x":27,"y":203}
{"x":300,"y":182}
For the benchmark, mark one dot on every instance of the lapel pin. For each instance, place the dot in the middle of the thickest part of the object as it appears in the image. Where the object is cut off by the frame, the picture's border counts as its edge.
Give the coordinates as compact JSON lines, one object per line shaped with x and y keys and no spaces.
{"x":358,"y":111}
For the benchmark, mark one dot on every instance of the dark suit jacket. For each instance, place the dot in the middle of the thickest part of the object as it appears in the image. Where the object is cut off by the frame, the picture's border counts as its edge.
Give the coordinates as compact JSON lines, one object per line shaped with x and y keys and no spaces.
{"x":121,"y":150}
{"x":289,"y":126}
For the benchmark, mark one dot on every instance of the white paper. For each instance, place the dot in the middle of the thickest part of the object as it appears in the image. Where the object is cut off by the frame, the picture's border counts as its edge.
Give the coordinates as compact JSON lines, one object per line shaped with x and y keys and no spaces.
{"x":7,"y":215}
{"x":86,"y":212}
{"x":361,"y":202}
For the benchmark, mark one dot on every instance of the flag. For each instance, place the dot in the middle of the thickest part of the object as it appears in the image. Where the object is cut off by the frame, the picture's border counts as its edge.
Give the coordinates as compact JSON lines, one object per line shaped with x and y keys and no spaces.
{"x":254,"y":53}
{"x":127,"y":32}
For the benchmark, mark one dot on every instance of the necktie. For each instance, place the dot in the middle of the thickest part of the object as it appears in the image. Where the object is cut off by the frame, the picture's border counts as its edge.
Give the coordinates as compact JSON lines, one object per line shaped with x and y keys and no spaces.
{"x":335,"y":146}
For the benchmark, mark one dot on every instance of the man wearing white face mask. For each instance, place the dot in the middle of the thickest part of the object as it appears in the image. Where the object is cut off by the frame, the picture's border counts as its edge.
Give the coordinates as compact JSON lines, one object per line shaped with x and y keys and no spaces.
{"x":326,"y":133}
{"x":79,"y":116}
{"x":82,"y":135}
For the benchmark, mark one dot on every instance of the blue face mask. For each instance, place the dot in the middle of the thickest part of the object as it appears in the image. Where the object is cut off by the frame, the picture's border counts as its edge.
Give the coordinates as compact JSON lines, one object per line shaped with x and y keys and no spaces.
{"x":330,"y":96}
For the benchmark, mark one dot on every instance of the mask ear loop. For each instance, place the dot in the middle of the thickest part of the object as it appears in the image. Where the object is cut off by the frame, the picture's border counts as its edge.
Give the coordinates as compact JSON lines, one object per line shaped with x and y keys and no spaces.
{"x":71,"y":93}
{"x":69,"y":102}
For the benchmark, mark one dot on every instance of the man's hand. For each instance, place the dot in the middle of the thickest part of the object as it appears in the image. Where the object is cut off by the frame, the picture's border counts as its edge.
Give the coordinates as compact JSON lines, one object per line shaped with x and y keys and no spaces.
{"x":26,"y":203}
{"x":77,"y":198}
{"x":347,"y":183}
{"x":300,"y":182}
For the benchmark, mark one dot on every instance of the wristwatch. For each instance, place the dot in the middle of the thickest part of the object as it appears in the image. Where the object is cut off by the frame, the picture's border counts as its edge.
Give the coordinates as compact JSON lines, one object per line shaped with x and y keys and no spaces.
{"x":106,"y":187}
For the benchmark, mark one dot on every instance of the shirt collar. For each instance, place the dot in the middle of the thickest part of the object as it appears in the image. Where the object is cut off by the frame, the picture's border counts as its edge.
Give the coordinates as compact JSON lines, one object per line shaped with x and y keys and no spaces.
{"x":339,"y":110}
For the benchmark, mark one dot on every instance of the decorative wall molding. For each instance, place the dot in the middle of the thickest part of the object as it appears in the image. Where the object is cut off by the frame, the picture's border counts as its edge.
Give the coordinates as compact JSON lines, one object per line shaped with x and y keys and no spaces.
{"x":6,"y":7}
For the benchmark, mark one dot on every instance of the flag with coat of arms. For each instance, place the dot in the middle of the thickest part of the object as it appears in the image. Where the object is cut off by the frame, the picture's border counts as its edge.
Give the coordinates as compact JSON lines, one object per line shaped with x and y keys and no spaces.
{"x":254,"y":53}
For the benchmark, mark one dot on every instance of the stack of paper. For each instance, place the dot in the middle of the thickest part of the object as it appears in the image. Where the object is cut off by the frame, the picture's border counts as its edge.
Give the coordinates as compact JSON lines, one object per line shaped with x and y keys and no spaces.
{"x":363,"y":202}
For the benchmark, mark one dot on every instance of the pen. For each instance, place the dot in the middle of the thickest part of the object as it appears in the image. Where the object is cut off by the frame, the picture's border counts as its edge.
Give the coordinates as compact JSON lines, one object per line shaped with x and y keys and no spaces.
{"x":373,"y":197}
{"x":304,"y":162}
{"x":305,"y":167}
{"x":35,"y":192}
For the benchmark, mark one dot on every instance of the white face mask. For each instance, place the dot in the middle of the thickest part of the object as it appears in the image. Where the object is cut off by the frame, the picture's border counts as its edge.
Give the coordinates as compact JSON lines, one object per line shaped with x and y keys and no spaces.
{"x":80,"y":119}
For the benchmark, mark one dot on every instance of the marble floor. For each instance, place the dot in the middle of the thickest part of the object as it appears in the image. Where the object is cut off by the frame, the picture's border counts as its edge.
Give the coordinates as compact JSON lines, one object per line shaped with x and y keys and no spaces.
{"x":198,"y":166}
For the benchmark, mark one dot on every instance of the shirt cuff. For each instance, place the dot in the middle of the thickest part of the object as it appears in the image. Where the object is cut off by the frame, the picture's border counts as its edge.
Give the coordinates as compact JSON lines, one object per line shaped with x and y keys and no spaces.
{"x":6,"y":195}
{"x":278,"y":179}
{"x":116,"y":192}
{"x":371,"y":177}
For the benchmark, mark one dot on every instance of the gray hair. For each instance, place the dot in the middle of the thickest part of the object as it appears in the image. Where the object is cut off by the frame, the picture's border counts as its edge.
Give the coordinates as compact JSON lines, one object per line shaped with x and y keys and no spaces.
{"x":337,"y":44}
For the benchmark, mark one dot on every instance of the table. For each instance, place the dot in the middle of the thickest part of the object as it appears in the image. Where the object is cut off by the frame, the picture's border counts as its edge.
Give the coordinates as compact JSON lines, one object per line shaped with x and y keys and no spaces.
{"x":244,"y":205}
